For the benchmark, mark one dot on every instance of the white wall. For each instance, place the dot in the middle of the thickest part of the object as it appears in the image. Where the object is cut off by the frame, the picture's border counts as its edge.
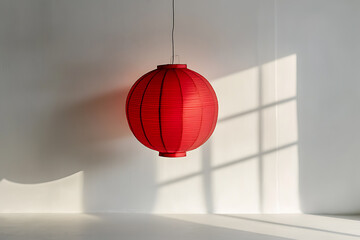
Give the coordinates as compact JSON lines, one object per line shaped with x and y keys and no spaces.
{"x":285,"y":73}
{"x":326,"y":41}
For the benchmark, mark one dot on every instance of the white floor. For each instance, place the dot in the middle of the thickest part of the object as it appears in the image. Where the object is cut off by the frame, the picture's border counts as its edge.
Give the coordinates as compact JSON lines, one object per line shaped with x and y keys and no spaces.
{"x":176,"y":227}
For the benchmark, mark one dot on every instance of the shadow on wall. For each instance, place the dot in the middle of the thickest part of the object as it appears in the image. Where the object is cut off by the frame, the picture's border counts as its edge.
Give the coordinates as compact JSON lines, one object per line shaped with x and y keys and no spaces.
{"x":74,"y":136}
{"x":65,"y":142}
{"x":83,"y":129}
{"x":62,"y":149}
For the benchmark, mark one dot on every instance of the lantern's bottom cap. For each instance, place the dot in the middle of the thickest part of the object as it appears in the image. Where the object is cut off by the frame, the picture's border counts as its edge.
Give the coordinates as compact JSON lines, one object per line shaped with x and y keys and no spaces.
{"x":174,"y":154}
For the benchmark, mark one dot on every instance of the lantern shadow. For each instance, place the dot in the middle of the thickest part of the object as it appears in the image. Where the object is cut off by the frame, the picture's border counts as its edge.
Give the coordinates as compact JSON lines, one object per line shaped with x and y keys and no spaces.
{"x":62,"y":123}
{"x":79,"y":142}
{"x":75,"y":135}
{"x":95,"y":134}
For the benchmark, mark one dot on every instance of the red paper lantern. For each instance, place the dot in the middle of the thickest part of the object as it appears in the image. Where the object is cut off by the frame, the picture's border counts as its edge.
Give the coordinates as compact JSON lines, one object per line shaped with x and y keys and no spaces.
{"x":172,"y":109}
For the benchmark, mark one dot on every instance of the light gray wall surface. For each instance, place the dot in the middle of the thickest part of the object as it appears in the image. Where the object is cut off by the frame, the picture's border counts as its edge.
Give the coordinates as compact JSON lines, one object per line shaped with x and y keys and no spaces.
{"x":285,"y":72}
{"x":325,"y":36}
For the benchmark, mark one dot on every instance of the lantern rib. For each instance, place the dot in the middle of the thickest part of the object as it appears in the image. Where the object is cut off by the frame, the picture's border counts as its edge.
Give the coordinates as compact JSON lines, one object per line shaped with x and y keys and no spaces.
{"x":141,"y":104}
{"x":161,"y":89}
{"x":182,"y":107}
{"x":201,"y":119}
{"x":131,"y":93}
{"x":210,"y":89}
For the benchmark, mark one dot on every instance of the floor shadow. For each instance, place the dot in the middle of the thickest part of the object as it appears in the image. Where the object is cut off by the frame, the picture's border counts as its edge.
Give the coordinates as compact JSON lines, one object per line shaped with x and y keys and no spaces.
{"x":291,"y":225}
{"x":348,"y":217}
{"x":116,"y":226}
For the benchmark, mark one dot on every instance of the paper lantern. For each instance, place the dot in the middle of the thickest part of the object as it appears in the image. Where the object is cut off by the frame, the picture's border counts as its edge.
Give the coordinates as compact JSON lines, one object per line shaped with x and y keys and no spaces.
{"x":172,"y":110}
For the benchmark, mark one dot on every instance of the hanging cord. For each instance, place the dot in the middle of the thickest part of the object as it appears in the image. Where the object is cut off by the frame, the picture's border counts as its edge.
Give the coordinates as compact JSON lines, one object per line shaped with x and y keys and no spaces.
{"x":172,"y":32}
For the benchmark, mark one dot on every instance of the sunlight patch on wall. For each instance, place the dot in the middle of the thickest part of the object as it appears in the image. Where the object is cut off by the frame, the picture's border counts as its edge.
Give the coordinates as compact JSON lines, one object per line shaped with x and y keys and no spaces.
{"x":279,"y":125}
{"x":237,"y":92}
{"x":279,"y":79}
{"x":280,"y":184}
{"x":236,"y":188}
{"x":170,"y":169}
{"x":286,"y":77}
{"x":183,"y":196}
{"x":268,"y":126}
{"x":180,"y":184}
{"x":62,"y":195}
{"x":235,"y":139}
{"x":287,"y":123}
{"x":250,"y":164}
{"x":267,"y":132}
{"x":281,"y":181}
{"x":288,"y":185}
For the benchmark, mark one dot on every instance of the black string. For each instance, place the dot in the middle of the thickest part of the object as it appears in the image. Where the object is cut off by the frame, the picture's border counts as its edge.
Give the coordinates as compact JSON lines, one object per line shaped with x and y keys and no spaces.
{"x":172,"y":32}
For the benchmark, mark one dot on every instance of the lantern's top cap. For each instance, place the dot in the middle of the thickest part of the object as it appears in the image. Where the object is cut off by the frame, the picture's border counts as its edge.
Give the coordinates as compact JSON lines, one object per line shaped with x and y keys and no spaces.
{"x":167,"y":66}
